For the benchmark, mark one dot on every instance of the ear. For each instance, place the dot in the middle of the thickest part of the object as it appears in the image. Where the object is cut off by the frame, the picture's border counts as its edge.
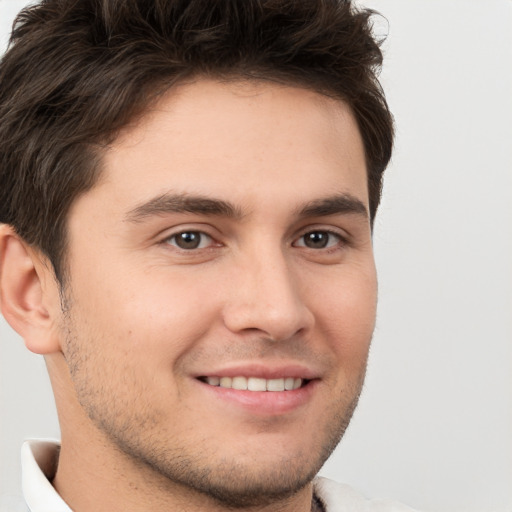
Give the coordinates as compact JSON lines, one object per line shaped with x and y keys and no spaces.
{"x":29,"y":295}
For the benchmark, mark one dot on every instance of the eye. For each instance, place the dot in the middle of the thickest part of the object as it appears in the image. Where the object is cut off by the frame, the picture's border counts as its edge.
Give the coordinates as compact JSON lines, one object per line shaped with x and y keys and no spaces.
{"x":189,"y":240}
{"x":319,"y":240}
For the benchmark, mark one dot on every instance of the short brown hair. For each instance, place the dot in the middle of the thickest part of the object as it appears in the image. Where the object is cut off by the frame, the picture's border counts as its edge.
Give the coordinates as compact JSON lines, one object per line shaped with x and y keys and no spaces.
{"x":77,"y":71}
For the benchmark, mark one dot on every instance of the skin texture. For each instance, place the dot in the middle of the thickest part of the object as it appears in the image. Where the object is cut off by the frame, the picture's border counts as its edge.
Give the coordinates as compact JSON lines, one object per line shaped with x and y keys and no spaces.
{"x":141,"y":318}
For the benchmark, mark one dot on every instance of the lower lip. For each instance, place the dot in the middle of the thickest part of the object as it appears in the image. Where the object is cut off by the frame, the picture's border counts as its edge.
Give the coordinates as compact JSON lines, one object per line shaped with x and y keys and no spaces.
{"x":266,"y":403}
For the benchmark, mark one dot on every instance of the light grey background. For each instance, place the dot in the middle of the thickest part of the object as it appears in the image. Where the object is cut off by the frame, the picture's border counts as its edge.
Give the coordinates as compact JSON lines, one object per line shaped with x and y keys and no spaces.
{"x":434,"y":426}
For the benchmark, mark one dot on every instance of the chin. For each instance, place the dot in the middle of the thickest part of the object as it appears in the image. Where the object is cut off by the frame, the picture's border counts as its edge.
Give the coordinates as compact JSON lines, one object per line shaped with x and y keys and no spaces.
{"x":237,"y":486}
{"x":247,"y":477}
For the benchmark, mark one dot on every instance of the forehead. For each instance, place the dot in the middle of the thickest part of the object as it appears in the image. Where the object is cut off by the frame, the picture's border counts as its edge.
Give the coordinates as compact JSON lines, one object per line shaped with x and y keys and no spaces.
{"x":252,"y":139}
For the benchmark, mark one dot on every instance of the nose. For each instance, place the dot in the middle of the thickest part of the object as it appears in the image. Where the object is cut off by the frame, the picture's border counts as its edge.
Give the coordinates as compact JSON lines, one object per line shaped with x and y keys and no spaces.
{"x":267,"y":299}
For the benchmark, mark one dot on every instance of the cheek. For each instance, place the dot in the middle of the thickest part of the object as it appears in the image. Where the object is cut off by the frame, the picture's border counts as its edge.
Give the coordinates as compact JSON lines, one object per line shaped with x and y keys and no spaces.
{"x":155,"y":317}
{"x":346,"y":311}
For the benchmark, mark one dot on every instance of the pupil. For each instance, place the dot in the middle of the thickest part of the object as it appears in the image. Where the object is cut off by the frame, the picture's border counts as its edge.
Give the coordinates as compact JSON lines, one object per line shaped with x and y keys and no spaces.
{"x":189,"y":240}
{"x":317,"y":240}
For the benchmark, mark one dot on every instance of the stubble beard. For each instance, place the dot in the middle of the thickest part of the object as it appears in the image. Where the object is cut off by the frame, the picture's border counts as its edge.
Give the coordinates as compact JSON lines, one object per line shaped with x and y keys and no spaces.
{"x":228,"y":482}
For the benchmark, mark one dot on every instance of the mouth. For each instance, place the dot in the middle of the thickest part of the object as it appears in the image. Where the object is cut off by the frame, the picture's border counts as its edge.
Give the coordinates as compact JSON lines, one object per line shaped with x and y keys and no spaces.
{"x":262,"y":391}
{"x":257,"y":384}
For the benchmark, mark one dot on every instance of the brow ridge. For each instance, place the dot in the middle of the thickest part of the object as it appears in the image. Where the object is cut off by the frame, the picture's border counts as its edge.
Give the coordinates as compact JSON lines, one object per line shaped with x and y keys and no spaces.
{"x":334,"y":205}
{"x":199,"y":204}
{"x":183,"y":203}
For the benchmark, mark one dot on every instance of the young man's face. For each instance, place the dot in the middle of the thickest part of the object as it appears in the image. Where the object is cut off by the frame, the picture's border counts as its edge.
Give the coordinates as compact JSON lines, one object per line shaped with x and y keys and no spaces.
{"x":227,"y":240}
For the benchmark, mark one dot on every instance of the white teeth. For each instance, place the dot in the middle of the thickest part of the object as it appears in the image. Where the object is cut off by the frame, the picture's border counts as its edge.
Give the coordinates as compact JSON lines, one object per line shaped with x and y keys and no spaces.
{"x":255,"y":383}
{"x":213,"y":381}
{"x":289,"y":383}
{"x":239,"y":383}
{"x":225,"y":382}
{"x":275,"y":385}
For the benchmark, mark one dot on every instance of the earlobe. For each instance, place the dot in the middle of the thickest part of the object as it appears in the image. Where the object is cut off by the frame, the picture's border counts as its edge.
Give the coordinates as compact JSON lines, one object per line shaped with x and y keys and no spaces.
{"x":25,"y":301}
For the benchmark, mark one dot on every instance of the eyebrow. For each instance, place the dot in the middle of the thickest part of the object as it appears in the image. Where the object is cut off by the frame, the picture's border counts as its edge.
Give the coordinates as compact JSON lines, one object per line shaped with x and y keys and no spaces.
{"x":183,"y":203}
{"x":334,"y":205}
{"x":197,"y":204}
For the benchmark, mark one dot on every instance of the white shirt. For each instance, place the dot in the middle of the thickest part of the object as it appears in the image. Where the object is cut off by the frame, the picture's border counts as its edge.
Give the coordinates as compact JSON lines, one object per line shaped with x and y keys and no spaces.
{"x":39,"y":461}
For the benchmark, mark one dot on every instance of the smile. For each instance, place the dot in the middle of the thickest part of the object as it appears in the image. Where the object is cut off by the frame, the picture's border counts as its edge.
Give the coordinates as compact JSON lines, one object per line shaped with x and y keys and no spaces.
{"x":255,"y":383}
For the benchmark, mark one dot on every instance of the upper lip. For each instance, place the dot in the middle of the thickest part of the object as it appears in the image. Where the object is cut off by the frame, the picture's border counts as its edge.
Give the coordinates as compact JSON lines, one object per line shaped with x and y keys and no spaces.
{"x":263,"y":371}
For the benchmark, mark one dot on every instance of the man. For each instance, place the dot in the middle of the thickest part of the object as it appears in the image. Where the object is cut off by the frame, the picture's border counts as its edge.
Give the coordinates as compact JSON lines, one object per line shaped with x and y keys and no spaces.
{"x":187,"y":192}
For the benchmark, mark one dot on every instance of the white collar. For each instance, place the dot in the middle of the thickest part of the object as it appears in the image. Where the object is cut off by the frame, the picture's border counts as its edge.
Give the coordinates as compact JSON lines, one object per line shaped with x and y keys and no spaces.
{"x":38,"y":462}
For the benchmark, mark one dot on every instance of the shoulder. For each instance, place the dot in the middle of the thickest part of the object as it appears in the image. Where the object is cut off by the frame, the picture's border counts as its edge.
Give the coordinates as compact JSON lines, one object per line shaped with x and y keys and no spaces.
{"x":343,"y":498}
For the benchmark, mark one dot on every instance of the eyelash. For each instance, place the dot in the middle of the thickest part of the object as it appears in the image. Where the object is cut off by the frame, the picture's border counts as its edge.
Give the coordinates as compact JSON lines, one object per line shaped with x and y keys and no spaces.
{"x":339,"y":240}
